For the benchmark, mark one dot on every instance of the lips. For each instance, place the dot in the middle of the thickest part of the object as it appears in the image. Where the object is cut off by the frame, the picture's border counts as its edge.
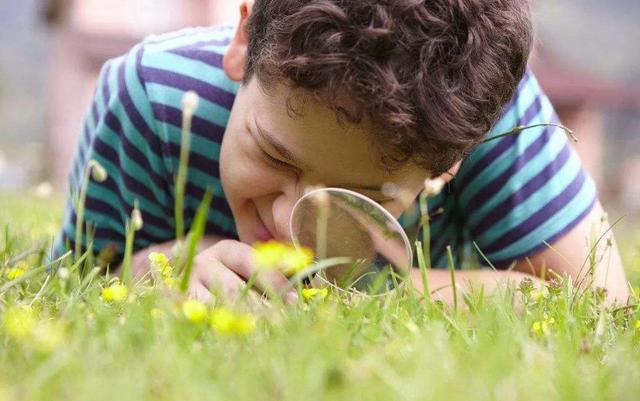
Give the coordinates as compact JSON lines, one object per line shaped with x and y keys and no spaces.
{"x":262,"y":232}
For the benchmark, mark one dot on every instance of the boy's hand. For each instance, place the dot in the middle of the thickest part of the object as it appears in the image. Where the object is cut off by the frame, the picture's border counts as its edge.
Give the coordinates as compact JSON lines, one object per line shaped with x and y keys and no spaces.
{"x":226,"y":265}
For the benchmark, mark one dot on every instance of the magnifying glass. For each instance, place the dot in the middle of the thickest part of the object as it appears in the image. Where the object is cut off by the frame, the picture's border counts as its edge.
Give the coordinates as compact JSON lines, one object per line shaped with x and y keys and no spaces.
{"x":338,"y":223}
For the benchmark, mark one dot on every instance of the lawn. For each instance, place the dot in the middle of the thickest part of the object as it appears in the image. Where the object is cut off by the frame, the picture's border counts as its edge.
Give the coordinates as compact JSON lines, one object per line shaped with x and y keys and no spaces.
{"x":64,"y":337}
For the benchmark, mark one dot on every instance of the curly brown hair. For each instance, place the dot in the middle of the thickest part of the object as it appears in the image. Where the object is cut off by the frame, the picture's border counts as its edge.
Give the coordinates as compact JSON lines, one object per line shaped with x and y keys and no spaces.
{"x":432,"y":76}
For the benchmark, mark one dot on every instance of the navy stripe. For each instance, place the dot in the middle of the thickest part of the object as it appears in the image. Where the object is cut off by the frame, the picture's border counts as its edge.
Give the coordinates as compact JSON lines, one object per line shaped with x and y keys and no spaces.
{"x":199,"y":126}
{"x":197,"y":192}
{"x":94,"y":113}
{"x":503,"y":144}
{"x":214,"y":229}
{"x":505,"y":263}
{"x":539,"y":217}
{"x":106,"y":91}
{"x":207,"y":166}
{"x":530,"y":188}
{"x":121,"y":210}
{"x":104,"y":234}
{"x":186,"y":83}
{"x":132,"y":112}
{"x":208,"y":57}
{"x":98,"y":206}
{"x":132,"y":151}
{"x":133,"y":183}
{"x":492,"y":187}
{"x":443,"y":220}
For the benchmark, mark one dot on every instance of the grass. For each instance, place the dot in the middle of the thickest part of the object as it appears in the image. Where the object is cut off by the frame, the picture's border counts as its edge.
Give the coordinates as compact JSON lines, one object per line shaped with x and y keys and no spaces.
{"x":62,"y":340}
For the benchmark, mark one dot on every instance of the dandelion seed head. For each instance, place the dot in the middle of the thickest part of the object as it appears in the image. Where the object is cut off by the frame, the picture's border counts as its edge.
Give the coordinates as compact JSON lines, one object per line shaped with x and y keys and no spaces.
{"x":63,"y":273}
{"x":98,"y":172}
{"x":433,"y":186}
{"x":190,"y":102}
{"x":136,"y":219}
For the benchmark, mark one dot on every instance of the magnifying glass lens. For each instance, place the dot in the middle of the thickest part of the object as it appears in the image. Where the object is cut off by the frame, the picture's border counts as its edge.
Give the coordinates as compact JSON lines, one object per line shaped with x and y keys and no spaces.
{"x":336,"y":222}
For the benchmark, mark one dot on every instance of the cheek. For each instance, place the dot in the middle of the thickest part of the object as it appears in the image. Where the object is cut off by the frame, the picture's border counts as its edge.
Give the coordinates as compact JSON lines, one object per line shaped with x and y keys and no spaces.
{"x":243,"y":172}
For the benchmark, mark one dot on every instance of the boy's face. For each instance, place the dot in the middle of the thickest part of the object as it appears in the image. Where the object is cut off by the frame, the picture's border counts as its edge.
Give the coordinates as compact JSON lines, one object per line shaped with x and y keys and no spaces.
{"x":269,"y":156}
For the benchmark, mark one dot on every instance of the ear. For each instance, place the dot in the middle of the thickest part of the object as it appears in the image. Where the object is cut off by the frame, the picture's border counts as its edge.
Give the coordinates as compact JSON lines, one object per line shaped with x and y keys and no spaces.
{"x":235,"y":58}
{"x":448,"y":176}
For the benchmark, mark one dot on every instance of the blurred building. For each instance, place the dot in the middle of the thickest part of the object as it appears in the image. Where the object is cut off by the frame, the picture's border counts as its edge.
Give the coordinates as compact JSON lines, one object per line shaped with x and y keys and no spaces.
{"x":88,"y":32}
{"x":582,"y":101}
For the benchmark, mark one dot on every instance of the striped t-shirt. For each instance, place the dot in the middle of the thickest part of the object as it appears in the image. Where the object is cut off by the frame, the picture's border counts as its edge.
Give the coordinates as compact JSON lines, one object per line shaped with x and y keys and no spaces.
{"x":510,"y":196}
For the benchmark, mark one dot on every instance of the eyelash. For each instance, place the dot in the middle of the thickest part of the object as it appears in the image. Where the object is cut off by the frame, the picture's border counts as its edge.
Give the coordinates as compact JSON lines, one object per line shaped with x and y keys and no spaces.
{"x":273,"y":160}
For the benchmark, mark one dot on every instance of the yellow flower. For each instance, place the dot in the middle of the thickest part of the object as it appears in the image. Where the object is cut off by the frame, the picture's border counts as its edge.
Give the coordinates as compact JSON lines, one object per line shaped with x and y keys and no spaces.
{"x":160,"y":262}
{"x":170,"y":281}
{"x":222,"y":321}
{"x":296,"y":259}
{"x":19,"y":322}
{"x":13,"y":273}
{"x":194,"y":310}
{"x":278,"y":256}
{"x":116,"y":292}
{"x":245,"y":323}
{"x":537,"y":295}
{"x":226,"y":322}
{"x":541,"y":327}
{"x":268,"y":254}
{"x":310,"y":293}
{"x":637,"y":324}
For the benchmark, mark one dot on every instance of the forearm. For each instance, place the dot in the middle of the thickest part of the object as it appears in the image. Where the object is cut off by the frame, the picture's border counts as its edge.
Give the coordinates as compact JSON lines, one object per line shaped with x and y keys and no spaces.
{"x":441,"y":287}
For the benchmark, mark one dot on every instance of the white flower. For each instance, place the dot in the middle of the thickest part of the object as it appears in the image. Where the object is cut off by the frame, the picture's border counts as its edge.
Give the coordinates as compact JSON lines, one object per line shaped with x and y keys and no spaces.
{"x":433,"y":187}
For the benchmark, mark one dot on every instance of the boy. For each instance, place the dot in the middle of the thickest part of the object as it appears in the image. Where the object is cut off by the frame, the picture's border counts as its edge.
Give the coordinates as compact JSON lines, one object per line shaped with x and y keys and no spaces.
{"x":342,"y":93}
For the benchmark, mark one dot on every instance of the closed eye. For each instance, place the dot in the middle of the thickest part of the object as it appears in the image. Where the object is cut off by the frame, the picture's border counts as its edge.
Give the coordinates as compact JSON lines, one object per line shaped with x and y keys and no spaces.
{"x":275,"y":161}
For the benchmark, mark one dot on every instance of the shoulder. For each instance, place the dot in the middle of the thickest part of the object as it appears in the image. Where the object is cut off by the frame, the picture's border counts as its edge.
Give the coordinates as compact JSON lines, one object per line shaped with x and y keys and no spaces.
{"x":189,"y":59}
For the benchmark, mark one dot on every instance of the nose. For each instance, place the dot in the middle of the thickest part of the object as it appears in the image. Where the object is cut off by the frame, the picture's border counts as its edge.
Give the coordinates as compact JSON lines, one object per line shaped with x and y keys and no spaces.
{"x":282,"y":208}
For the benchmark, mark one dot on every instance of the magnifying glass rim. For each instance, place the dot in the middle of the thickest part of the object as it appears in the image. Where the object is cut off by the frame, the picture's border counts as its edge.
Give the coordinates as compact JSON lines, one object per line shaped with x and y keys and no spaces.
{"x":384,"y":211}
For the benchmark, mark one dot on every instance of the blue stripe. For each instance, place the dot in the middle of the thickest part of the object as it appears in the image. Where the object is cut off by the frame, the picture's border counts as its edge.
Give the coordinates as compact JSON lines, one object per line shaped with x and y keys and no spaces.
{"x":496,"y":164}
{"x":536,"y":158}
{"x":168,"y":96}
{"x":530,"y":216}
{"x":556,"y":224}
{"x":523,"y":99}
{"x":204,"y":89}
{"x":205,"y":138}
{"x":516,"y":193}
{"x":207,"y":57}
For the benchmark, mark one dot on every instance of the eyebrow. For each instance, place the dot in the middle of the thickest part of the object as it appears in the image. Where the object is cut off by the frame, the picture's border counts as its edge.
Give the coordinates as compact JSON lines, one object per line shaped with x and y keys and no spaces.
{"x":279,"y":147}
{"x":286,"y":154}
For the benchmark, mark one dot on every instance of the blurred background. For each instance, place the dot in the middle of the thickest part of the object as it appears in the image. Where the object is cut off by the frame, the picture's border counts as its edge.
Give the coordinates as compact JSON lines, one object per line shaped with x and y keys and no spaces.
{"x":51,"y":51}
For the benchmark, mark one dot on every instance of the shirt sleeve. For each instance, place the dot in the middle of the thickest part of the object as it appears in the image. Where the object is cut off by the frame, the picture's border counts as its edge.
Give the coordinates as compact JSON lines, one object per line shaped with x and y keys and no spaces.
{"x":119,"y":133}
{"x":517,"y":193}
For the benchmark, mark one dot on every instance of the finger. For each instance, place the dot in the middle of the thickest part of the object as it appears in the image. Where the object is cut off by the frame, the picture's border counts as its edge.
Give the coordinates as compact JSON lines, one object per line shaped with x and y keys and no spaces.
{"x":217,"y":279}
{"x":238,"y":256}
{"x":198,"y":291}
